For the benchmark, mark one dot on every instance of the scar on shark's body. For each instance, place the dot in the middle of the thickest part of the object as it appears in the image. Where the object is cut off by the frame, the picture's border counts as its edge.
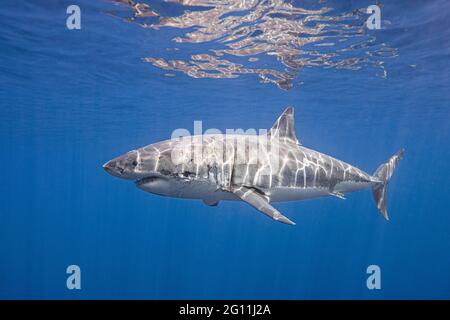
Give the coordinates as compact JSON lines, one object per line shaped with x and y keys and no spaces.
{"x":282,"y":171}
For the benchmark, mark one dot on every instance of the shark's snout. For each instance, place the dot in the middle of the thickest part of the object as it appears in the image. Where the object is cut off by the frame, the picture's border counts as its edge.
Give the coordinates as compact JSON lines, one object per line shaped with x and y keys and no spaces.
{"x":113,"y":168}
{"x":107,"y":166}
{"x":124,"y":167}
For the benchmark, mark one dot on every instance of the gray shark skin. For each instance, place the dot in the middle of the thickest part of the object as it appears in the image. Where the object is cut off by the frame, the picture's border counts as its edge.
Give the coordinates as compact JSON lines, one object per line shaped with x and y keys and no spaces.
{"x":259,"y":170}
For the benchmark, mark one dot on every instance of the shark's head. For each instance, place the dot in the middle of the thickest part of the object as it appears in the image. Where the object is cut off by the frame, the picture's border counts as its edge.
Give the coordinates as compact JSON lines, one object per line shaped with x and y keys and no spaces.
{"x":142,"y":164}
{"x":125,"y":166}
{"x":150,"y":167}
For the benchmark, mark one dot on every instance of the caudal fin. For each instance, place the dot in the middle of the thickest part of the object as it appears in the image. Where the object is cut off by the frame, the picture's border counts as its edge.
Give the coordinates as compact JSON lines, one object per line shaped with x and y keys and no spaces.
{"x":384,"y":174}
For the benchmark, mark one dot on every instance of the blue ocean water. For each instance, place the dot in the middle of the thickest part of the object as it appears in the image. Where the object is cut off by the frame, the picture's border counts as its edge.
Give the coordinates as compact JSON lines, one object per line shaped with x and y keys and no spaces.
{"x":73,"y":99}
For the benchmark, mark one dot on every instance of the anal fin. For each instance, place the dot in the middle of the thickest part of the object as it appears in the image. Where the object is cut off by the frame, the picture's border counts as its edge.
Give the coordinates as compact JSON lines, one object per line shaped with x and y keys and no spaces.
{"x":260,"y":202}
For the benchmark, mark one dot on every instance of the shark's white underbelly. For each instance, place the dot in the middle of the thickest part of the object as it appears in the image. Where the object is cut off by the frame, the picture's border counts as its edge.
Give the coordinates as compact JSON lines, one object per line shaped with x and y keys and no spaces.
{"x":281,"y":194}
{"x":205,"y":190}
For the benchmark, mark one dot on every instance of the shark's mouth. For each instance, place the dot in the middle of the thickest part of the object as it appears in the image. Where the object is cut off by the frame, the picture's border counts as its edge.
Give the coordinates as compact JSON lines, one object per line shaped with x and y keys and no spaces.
{"x":145,"y":180}
{"x":148,"y":179}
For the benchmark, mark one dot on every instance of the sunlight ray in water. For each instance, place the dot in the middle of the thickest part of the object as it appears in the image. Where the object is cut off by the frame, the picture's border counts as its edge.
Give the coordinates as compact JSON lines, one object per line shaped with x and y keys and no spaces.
{"x":292,"y":39}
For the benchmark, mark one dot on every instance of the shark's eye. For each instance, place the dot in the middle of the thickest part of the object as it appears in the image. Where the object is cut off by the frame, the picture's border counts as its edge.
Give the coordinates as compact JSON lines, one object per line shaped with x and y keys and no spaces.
{"x":134,"y":163}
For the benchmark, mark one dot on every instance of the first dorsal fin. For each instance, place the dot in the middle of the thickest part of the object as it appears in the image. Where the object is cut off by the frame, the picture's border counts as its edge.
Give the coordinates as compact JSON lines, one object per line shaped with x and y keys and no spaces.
{"x":283,"y":128}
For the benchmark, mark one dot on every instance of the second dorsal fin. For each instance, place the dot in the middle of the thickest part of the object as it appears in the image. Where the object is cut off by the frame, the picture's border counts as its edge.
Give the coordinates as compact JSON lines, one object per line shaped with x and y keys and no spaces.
{"x":283,"y":128}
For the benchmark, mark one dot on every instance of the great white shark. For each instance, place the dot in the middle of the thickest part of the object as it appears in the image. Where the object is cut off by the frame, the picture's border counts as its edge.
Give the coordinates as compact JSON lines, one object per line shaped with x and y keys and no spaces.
{"x":258,"y":170}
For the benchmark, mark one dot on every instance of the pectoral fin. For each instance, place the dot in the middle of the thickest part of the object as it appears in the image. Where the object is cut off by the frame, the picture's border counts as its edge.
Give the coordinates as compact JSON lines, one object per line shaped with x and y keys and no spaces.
{"x":260,"y":202}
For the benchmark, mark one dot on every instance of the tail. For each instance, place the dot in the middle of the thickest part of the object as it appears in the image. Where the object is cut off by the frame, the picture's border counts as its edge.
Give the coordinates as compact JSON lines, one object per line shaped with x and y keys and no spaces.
{"x":384,"y":174}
